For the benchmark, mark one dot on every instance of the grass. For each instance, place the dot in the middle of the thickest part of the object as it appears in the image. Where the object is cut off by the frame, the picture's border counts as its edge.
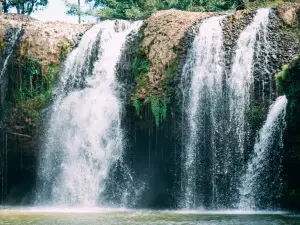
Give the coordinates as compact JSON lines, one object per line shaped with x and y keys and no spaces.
{"x":264,"y":4}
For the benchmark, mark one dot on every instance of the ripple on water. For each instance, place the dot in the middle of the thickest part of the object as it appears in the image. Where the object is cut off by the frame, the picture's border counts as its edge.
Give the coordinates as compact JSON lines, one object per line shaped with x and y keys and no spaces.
{"x":93,"y":216}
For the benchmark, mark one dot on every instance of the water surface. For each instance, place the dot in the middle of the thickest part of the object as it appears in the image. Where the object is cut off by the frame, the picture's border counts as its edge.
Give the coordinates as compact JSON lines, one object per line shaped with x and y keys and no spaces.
{"x":120,"y":216}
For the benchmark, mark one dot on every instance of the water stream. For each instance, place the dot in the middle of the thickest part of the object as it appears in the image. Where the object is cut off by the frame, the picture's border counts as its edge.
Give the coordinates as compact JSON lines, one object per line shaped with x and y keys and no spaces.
{"x":84,"y":138}
{"x":270,"y":133}
{"x":205,"y":66}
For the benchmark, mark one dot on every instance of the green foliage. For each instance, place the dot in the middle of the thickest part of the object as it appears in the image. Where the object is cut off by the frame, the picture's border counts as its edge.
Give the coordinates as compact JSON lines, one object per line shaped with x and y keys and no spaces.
{"x":51,"y":71}
{"x":31,"y":108}
{"x":256,"y":114}
{"x":281,"y":77}
{"x":264,"y":3}
{"x":65,"y":48}
{"x":140,"y":64}
{"x":32,"y":93}
{"x":24,"y":6}
{"x":141,"y":9}
{"x":288,"y":80}
{"x":137,"y":105}
{"x":2,"y":46}
{"x":158,"y":108}
{"x":171,"y":71}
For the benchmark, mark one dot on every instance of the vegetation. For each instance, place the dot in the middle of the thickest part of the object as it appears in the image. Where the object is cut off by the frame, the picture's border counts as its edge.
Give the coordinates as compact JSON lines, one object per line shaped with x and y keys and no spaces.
{"x":263,"y":3}
{"x":289,"y":85}
{"x":159,"y":108}
{"x":23,"y":6}
{"x":141,"y":9}
{"x":31,"y":90}
{"x":282,"y":76}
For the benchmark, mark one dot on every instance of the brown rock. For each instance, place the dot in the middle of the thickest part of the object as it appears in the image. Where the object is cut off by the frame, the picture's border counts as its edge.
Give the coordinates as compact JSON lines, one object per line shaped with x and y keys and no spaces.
{"x":42,"y":40}
{"x":288,"y":12}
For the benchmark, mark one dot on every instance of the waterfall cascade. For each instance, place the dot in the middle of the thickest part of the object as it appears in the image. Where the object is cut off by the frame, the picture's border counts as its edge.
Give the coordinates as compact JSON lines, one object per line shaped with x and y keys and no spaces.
{"x":205,"y":65}
{"x":215,"y":107}
{"x":215,"y":161}
{"x":270,"y":133}
{"x":84,"y":138}
{"x":12,"y":42}
{"x":241,"y":78}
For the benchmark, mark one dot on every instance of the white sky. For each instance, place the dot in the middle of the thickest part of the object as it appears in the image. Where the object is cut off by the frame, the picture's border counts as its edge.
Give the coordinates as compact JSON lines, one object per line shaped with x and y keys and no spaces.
{"x":56,"y":10}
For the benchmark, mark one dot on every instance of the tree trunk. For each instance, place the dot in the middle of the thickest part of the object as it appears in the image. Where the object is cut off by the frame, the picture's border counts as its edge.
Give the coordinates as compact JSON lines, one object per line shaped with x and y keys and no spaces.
{"x":79,"y":12}
{"x":5,"y":6}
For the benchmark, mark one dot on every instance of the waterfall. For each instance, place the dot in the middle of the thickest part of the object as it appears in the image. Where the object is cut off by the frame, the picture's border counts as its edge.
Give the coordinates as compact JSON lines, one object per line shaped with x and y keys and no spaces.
{"x":84,"y":139}
{"x":10,"y":48}
{"x":205,"y":65}
{"x":214,"y":120}
{"x":240,"y":86}
{"x":241,"y":78}
{"x":268,"y":135}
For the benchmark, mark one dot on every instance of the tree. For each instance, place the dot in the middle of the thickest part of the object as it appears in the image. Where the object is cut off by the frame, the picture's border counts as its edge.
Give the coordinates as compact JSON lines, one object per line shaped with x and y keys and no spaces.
{"x":141,"y":9}
{"x":23,"y":6}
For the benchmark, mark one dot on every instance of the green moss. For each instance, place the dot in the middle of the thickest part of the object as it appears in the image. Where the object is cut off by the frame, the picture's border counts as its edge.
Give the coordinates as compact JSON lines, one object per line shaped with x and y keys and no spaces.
{"x":140,"y":64}
{"x":30,"y":109}
{"x":51,"y":72}
{"x":288,"y":84}
{"x":2,"y":46}
{"x":282,"y":76}
{"x":256,"y":114}
{"x":264,"y":3}
{"x":137,"y":105}
{"x":65,"y":48}
{"x":158,"y":108}
{"x":33,"y":93}
{"x":171,"y":71}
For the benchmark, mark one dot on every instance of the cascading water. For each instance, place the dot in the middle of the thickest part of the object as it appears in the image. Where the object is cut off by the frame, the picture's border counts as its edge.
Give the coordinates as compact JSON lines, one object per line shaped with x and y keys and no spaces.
{"x":10,"y":48}
{"x":215,"y":109}
{"x":270,"y":133}
{"x":240,"y":86}
{"x":205,"y":65}
{"x":241,"y":79}
{"x":84,"y":139}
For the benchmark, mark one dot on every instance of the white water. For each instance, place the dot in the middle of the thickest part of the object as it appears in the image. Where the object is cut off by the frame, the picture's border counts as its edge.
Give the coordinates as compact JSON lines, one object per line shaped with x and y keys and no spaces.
{"x":241,"y":79}
{"x":13,"y":41}
{"x":84,"y":138}
{"x":205,"y":60}
{"x":262,"y":149}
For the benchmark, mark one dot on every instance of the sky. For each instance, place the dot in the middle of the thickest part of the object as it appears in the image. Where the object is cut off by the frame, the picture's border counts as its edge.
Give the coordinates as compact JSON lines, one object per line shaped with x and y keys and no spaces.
{"x":56,"y":11}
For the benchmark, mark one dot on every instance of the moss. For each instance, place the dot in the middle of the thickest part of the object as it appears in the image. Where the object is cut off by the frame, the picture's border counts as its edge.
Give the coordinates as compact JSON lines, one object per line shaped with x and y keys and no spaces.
{"x":65,"y":48}
{"x":264,"y":3}
{"x":256,"y":114}
{"x":51,"y":72}
{"x":171,"y":71}
{"x":29,"y":110}
{"x":282,"y":76}
{"x":140,"y":65}
{"x":32,"y":95}
{"x":158,"y":99}
{"x":2,"y":46}
{"x":158,"y":108}
{"x":138,"y":105}
{"x":288,"y":84}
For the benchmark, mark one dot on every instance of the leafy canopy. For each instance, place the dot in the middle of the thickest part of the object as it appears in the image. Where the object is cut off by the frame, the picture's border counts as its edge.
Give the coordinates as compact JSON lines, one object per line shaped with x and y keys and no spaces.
{"x":140,"y":9}
{"x":23,"y":6}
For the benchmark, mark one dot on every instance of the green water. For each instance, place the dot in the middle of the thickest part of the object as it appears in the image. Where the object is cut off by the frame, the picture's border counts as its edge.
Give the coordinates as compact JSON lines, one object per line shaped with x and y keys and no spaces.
{"x":65,"y":217}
